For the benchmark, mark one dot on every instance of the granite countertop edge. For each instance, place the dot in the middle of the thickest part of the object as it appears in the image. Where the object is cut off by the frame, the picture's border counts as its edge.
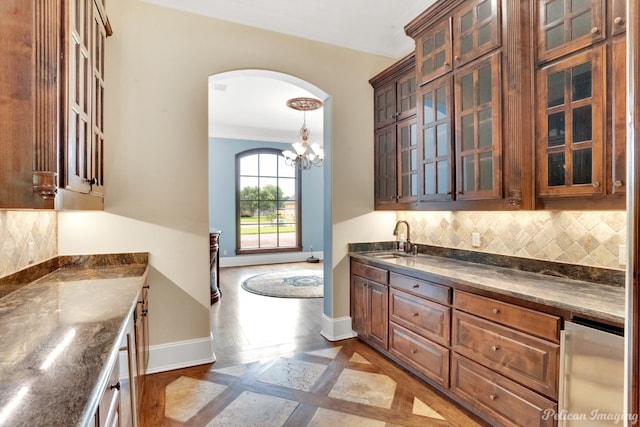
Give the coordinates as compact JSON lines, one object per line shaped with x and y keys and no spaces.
{"x":581,"y":297}
{"x":93,"y":295}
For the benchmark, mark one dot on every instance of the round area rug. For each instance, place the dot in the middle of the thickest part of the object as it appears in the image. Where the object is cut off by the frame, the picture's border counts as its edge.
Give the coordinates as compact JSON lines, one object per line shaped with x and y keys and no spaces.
{"x":283,"y":284}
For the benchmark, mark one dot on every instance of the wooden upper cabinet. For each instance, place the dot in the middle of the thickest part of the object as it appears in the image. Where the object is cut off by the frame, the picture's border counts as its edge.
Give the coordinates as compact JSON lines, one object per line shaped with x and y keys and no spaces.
{"x":478,"y":136}
{"x":565,"y":26}
{"x":618,"y":96}
{"x":436,"y":150}
{"x":476,"y":30}
{"x":434,"y":51}
{"x":386,"y":167}
{"x":571,"y":125}
{"x":395,"y":99}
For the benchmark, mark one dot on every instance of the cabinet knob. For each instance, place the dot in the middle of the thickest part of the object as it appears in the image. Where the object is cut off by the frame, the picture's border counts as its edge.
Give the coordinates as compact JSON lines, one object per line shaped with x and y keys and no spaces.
{"x":460,"y":192}
{"x":457,"y":58}
{"x":416,"y":286}
{"x":493,"y":396}
{"x":495,"y":348}
{"x":595,"y":30}
{"x":618,"y":183}
{"x":414,"y":351}
{"x":596,"y":184}
{"x":496,"y":311}
{"x":446,"y":63}
{"x":416,"y":314}
{"x":619,"y":20}
{"x":115,"y":386}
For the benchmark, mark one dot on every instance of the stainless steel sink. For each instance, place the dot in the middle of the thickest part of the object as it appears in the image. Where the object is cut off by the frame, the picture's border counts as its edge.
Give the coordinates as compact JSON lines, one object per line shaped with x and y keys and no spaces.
{"x":388,"y":255}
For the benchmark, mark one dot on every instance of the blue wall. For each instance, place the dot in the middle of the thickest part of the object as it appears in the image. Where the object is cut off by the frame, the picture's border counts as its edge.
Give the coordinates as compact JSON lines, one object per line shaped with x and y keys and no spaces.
{"x":222,"y":197}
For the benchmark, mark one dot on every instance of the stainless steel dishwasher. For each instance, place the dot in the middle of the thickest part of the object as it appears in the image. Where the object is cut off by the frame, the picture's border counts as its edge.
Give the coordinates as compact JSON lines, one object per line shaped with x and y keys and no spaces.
{"x":591,"y":375}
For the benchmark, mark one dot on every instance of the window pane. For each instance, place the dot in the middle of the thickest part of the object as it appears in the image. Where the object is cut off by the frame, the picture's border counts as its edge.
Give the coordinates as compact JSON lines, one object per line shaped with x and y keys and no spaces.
{"x":441,"y":102}
{"x":429,"y":143}
{"x":427,"y":66}
{"x":581,"y":81}
{"x":414,"y":159}
{"x":438,"y":59}
{"x":427,"y":46}
{"x":429,"y":178}
{"x":484,"y":85}
{"x":485,"y":132}
{"x":467,"y":43}
{"x":249,"y":165}
{"x":580,"y":25}
{"x":555,"y":173}
{"x":555,"y":37}
{"x":406,"y":186}
{"x":555,"y":129}
{"x":248,"y":188}
{"x":577,"y":5}
{"x":404,"y":160}
{"x":484,"y":11}
{"x":405,"y":137}
{"x":555,"y":89}
{"x":468,"y":133}
{"x":288,"y":187}
{"x":554,"y":11}
{"x":582,"y":166}
{"x":414,"y":184}
{"x":467,"y":92}
{"x":248,"y":211}
{"x":443,"y":139}
{"x":582,"y":124}
{"x":443,"y":177}
{"x":439,"y":39}
{"x":486,"y":171}
{"x":413,"y":128}
{"x":429,"y":114}
{"x":284,"y":170}
{"x":466,"y":22}
{"x":468,"y":174}
{"x":484,"y":35}
{"x":268,"y":165}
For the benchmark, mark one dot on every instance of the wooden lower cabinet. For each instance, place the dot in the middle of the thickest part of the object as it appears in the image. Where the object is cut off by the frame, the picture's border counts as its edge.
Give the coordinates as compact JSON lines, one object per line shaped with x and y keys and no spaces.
{"x":499,"y":359}
{"x":504,"y":401}
{"x":425,"y":356}
{"x":521,"y":357}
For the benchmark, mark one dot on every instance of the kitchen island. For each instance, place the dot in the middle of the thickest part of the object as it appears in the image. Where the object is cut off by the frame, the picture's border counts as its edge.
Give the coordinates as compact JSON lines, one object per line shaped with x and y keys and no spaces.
{"x":62,"y":323}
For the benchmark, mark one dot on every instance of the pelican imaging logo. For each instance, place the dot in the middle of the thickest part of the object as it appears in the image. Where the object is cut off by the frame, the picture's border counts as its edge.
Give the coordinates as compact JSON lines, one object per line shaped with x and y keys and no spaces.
{"x":612,"y":418}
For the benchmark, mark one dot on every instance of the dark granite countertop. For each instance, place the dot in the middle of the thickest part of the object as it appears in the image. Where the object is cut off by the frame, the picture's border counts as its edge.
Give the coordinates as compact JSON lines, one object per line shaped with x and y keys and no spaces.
{"x":602,"y":301}
{"x":62,"y":323}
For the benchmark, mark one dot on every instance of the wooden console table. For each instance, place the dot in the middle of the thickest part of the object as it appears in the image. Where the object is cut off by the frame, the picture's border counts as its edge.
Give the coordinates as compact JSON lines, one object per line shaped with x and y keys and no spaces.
{"x":214,"y":253}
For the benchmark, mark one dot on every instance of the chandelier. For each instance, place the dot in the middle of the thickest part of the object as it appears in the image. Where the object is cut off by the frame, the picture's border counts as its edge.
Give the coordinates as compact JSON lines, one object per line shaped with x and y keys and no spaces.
{"x":304,"y":155}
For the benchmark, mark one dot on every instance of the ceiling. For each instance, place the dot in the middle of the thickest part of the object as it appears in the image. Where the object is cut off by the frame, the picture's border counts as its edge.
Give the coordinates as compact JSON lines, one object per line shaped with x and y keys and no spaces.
{"x":259,"y":106}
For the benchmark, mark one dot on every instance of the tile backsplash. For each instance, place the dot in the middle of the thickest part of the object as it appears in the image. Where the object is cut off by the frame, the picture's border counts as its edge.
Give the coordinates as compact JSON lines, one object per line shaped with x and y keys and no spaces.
{"x":583,"y":238}
{"x":20,"y":228}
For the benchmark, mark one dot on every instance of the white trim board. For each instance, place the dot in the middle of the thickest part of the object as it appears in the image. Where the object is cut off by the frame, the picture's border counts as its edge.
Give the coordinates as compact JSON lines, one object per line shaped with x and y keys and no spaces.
{"x":244,"y":260}
{"x":181,"y":354}
{"x":336,"y":329}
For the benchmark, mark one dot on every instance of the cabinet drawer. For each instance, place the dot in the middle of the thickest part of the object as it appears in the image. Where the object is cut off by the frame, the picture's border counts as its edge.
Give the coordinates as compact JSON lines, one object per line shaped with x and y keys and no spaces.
{"x":421,"y":288}
{"x":533,"y":322}
{"x":424,"y":317}
{"x":428,"y":358}
{"x":373,"y":273}
{"x":521,"y":357}
{"x":508,"y":403}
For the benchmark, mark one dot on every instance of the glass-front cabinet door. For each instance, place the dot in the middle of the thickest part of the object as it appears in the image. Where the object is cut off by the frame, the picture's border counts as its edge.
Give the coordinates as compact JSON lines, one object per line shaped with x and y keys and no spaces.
{"x":433,"y":52}
{"x":478,"y":138}
{"x":570,"y":129}
{"x":435,"y":140}
{"x":407,"y":160}
{"x":564,"y":26}
{"x":406,"y":96}
{"x":476,"y":30}
{"x":385,"y":105}
{"x":386,"y":181}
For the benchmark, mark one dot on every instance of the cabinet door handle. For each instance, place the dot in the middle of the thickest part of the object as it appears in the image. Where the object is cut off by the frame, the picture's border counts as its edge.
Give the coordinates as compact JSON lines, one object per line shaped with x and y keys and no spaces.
{"x":596,"y":184}
{"x":416,"y":286}
{"x":618,"y":20}
{"x":493,"y":396}
{"x":414,"y":351}
{"x":495,"y":348}
{"x":496,"y":311}
{"x":595,"y":30}
{"x":115,"y":386}
{"x":416,"y":314}
{"x":618,"y":183}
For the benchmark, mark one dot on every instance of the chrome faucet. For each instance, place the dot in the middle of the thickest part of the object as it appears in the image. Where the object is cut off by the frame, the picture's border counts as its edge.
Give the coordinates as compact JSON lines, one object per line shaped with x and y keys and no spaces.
{"x":408,"y":247}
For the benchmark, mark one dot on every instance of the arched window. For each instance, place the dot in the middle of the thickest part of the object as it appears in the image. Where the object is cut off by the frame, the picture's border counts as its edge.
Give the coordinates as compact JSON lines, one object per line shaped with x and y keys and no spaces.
{"x":267,"y":203}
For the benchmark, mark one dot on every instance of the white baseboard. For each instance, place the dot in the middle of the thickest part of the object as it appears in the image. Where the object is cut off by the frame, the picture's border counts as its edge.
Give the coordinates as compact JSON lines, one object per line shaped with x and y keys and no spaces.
{"x":181,"y":354}
{"x":336,"y":329}
{"x":243,"y":260}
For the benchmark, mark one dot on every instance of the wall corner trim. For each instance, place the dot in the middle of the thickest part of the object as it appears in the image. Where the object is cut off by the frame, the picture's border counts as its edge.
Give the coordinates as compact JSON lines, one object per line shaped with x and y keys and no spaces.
{"x":336,"y":329}
{"x":181,"y":354}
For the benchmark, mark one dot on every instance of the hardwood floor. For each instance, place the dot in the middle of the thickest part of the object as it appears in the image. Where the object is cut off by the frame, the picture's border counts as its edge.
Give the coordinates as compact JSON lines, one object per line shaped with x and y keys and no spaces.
{"x":273,"y":368}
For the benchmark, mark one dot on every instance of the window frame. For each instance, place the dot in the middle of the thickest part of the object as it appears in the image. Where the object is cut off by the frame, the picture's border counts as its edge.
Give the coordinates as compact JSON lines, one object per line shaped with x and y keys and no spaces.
{"x":298,"y":197}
